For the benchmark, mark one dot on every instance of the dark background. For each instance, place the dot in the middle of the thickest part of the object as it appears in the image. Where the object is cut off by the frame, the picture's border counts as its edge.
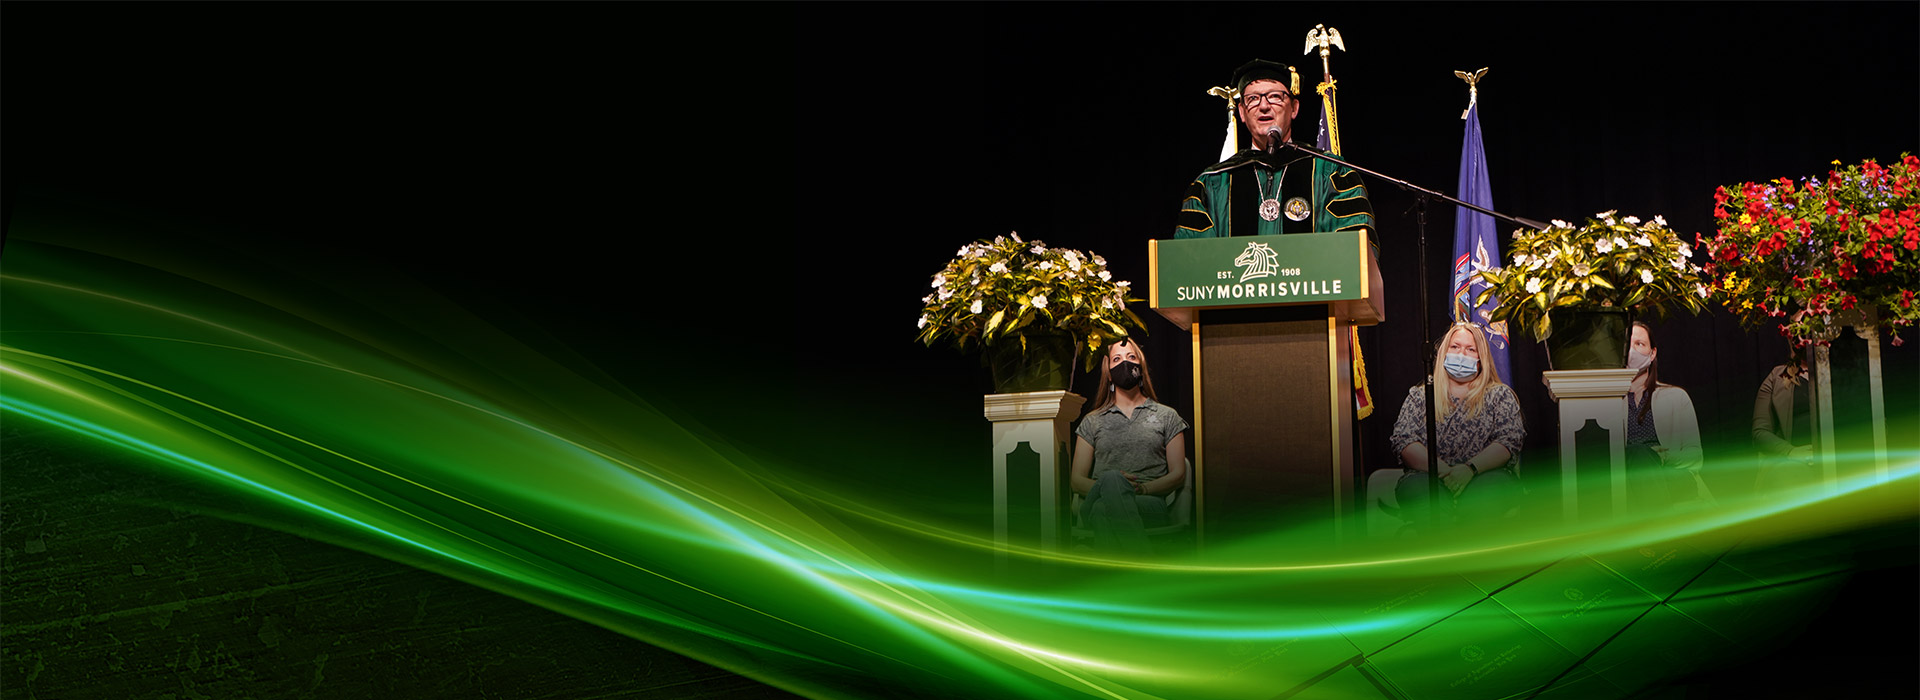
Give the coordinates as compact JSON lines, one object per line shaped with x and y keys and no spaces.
{"x":538,"y":162}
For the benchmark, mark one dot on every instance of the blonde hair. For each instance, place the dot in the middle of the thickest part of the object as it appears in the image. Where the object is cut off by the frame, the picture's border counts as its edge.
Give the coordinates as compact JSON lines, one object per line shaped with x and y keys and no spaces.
{"x":1477,"y":388}
{"x":1103,"y":396}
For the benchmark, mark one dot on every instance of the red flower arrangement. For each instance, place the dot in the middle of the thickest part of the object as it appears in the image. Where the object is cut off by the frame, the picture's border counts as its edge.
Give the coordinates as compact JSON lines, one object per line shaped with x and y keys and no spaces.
{"x":1845,"y":249}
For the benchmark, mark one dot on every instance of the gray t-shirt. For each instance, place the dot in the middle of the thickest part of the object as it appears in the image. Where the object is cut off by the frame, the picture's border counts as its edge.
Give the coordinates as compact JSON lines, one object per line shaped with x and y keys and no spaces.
{"x":1136,"y":445}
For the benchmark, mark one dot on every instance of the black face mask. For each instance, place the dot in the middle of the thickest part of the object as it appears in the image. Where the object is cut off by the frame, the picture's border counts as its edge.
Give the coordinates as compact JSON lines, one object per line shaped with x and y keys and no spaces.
{"x":1126,"y":375}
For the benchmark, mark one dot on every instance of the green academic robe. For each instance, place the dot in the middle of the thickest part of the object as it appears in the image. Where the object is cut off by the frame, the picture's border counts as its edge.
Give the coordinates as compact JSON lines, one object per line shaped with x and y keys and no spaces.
{"x":1315,"y":196}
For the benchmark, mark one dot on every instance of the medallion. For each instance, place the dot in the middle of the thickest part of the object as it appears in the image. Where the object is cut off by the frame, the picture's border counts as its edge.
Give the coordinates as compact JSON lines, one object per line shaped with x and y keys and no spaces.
{"x":1297,"y":209}
{"x":1270,"y":209}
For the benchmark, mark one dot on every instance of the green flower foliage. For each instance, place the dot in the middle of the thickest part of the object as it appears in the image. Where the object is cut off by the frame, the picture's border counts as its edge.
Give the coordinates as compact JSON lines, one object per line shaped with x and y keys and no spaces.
{"x":1006,"y":289}
{"x":1606,"y":263}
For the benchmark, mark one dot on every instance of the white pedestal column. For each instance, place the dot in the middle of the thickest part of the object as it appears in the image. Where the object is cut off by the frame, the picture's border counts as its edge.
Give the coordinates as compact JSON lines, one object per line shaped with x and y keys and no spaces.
{"x":1039,"y":420}
{"x":1823,"y":398}
{"x":1823,"y":416}
{"x":1599,"y":395}
{"x":1877,"y":396}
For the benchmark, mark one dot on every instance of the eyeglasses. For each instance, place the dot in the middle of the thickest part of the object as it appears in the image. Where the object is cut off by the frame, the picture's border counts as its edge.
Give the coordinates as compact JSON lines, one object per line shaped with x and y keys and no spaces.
{"x":1276,"y":98}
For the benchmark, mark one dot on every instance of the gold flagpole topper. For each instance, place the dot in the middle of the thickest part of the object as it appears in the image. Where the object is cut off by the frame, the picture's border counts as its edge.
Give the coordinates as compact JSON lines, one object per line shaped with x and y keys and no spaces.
{"x":1473,"y":88}
{"x":1232,"y":144}
{"x":1321,"y":37}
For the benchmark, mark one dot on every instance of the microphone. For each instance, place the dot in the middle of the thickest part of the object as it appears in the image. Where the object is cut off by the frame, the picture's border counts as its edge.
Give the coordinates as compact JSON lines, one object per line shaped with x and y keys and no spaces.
{"x":1273,"y":140}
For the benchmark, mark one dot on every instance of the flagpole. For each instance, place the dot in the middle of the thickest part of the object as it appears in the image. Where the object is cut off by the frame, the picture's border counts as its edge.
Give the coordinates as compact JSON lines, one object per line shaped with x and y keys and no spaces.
{"x":1323,"y":39}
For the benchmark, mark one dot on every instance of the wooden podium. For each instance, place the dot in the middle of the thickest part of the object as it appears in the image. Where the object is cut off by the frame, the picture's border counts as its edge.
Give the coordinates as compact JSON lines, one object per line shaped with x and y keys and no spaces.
{"x":1271,"y":319}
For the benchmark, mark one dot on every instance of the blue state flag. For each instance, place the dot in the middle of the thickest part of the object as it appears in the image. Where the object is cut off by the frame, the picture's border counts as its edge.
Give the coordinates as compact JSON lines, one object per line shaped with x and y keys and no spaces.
{"x":1476,"y":246}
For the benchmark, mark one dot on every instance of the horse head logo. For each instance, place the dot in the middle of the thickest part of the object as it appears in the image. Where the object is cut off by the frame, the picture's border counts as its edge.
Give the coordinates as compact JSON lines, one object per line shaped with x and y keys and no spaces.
{"x":1259,"y":261}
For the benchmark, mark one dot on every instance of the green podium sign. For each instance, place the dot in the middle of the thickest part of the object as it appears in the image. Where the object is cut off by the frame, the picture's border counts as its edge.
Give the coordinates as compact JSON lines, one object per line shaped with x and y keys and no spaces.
{"x":1242,"y":271}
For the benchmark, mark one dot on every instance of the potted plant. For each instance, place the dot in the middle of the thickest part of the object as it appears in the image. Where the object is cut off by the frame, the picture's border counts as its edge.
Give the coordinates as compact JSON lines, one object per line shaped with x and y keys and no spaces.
{"x":1573,"y":287}
{"x":1845,"y":250}
{"x":1029,"y":307}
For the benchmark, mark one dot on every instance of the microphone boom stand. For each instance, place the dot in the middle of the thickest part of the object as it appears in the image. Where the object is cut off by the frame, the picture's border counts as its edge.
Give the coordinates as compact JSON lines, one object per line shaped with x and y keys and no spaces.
{"x":1421,"y":195}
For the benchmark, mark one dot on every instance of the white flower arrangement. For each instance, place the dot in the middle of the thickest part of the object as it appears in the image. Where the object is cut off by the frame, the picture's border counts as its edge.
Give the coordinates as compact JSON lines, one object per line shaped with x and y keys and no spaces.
{"x":1007,"y":289}
{"x":1592,"y":266}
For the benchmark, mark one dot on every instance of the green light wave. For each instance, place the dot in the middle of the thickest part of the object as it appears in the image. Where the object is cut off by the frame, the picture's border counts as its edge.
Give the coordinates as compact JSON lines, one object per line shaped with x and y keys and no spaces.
{"x":448,"y":443}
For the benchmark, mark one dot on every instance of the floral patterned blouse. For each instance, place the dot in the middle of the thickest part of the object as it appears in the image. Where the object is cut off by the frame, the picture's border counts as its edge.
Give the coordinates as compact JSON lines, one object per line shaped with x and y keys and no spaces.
{"x":1462,"y":436}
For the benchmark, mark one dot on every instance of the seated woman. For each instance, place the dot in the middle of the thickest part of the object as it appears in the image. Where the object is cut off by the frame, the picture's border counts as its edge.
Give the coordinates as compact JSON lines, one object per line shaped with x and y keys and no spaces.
{"x":1783,"y":428}
{"x":1131,"y":452}
{"x":1478,"y":426}
{"x":1663,"y":436}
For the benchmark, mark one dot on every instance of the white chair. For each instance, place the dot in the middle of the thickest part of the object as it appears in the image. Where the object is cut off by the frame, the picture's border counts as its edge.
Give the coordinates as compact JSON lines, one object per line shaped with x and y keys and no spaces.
{"x":1179,"y":512}
{"x":1383,"y":506}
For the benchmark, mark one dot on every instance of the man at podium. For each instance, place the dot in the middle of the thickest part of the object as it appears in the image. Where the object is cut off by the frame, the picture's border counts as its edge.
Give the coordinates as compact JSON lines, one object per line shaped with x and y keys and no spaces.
{"x":1280,"y":192}
{"x":1274,"y":354}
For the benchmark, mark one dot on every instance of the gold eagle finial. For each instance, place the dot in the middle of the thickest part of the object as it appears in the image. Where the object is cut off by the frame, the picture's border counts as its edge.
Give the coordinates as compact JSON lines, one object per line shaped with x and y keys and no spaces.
{"x":1473,"y":88}
{"x":1323,"y":36}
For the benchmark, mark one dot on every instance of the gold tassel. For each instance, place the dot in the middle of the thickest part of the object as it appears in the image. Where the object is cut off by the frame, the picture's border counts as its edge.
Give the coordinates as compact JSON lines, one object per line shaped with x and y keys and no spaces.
{"x":1362,"y":394}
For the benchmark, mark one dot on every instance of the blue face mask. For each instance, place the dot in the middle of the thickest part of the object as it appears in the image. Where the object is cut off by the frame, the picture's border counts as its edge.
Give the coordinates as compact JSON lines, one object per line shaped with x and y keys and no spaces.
{"x":1461,"y":366}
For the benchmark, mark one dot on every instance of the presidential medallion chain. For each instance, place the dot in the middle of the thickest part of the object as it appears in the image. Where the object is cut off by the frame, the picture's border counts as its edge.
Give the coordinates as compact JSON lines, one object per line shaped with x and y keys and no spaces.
{"x":1269,"y":205}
